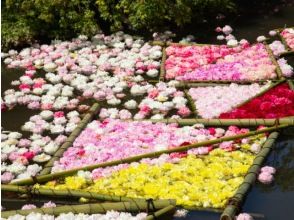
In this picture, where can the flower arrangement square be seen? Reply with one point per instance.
(243, 101)
(202, 177)
(219, 63)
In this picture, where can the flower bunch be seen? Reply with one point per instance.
(122, 142)
(119, 53)
(266, 174)
(287, 70)
(184, 59)
(204, 181)
(251, 63)
(22, 157)
(161, 100)
(60, 123)
(211, 101)
(277, 48)
(275, 103)
(288, 35)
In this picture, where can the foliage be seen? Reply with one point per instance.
(63, 19)
(47, 19)
(147, 14)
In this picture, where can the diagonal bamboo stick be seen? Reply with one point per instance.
(162, 66)
(236, 202)
(274, 61)
(251, 122)
(69, 141)
(48, 177)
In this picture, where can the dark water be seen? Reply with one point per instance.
(274, 201)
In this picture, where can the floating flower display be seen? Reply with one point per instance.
(190, 178)
(275, 103)
(114, 139)
(211, 101)
(22, 158)
(239, 63)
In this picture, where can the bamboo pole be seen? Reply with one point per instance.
(189, 44)
(196, 82)
(274, 61)
(291, 84)
(159, 43)
(48, 177)
(161, 212)
(69, 141)
(191, 103)
(235, 203)
(251, 122)
(75, 193)
(93, 208)
(279, 30)
(162, 65)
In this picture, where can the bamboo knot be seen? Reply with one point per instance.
(236, 202)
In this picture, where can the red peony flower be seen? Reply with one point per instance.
(276, 103)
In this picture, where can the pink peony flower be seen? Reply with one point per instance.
(268, 169)
(244, 216)
(6, 177)
(265, 177)
(184, 111)
(28, 206)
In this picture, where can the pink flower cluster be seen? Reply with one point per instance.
(211, 101)
(266, 174)
(184, 59)
(251, 63)
(114, 139)
(288, 35)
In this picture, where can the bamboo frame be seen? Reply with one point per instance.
(192, 102)
(94, 208)
(48, 177)
(69, 141)
(75, 193)
(270, 54)
(235, 203)
(249, 122)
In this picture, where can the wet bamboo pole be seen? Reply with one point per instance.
(291, 84)
(69, 141)
(49, 177)
(162, 65)
(191, 104)
(74, 193)
(235, 203)
(161, 212)
(94, 208)
(250, 122)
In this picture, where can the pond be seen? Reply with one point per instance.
(271, 202)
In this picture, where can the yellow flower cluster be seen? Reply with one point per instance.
(202, 181)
